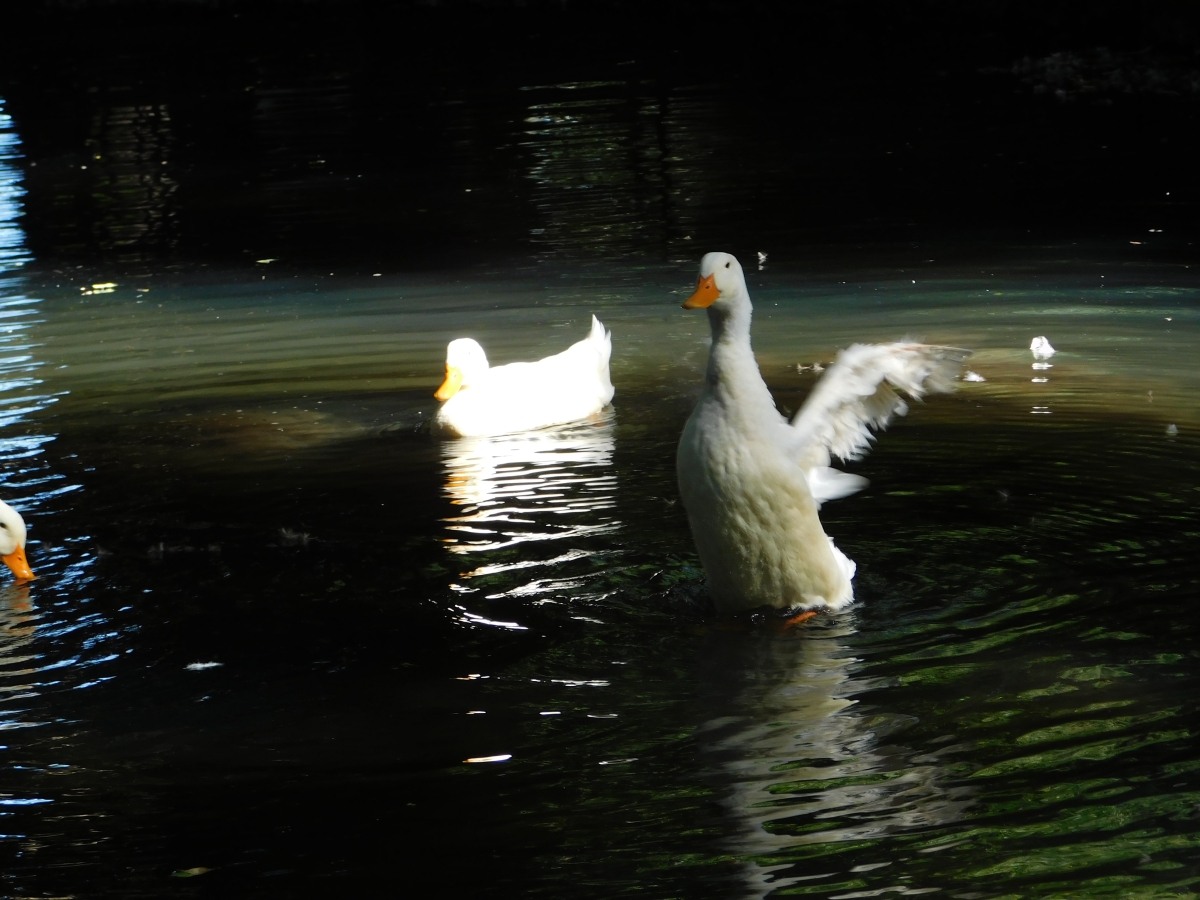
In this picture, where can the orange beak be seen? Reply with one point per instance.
(706, 294)
(450, 386)
(19, 565)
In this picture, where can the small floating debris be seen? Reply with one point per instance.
(291, 538)
(501, 757)
(1040, 411)
(190, 873)
(618, 762)
(1041, 348)
(973, 376)
(815, 367)
(1172, 430)
(1042, 380)
(104, 287)
(550, 712)
(263, 262)
(1043, 365)
(201, 666)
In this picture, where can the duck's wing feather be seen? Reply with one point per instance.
(580, 370)
(858, 393)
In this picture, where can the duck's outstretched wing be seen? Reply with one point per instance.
(858, 393)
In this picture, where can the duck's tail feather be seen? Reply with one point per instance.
(828, 483)
(601, 339)
(848, 568)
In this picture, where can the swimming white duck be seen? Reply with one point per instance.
(752, 482)
(12, 542)
(481, 400)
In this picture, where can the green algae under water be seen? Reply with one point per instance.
(274, 615)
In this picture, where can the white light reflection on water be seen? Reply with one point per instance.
(616, 167)
(18, 614)
(12, 238)
(40, 638)
(806, 766)
(548, 492)
(133, 148)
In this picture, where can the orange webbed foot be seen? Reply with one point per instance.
(791, 623)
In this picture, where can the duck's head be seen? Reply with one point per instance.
(721, 282)
(466, 363)
(12, 542)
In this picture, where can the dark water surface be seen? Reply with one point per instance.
(283, 642)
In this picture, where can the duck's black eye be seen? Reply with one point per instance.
(727, 265)
(4, 525)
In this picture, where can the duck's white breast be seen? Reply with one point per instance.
(753, 518)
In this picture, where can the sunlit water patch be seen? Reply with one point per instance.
(553, 489)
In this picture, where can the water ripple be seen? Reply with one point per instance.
(48, 637)
(520, 499)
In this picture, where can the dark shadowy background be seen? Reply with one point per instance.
(406, 135)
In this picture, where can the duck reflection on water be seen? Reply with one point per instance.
(18, 620)
(803, 763)
(535, 500)
(23, 663)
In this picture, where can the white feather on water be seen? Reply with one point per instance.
(1041, 348)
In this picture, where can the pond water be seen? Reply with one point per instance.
(274, 615)
(285, 642)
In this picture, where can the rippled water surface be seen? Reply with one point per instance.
(284, 642)
(274, 615)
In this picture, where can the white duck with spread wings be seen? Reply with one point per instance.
(481, 400)
(752, 482)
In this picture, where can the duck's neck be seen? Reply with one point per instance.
(733, 377)
(731, 352)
